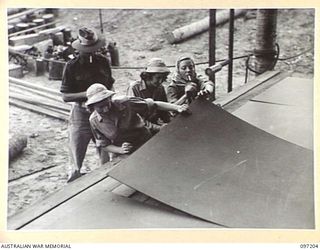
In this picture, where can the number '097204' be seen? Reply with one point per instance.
(309, 246)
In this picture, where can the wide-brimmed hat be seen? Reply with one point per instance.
(157, 65)
(88, 41)
(97, 92)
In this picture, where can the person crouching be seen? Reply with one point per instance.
(117, 121)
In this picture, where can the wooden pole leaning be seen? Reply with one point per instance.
(200, 26)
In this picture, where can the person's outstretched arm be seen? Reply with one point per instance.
(166, 106)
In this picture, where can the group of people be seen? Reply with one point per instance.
(119, 124)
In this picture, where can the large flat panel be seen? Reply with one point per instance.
(294, 124)
(96, 208)
(291, 91)
(220, 168)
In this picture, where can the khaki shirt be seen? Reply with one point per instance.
(125, 116)
(139, 89)
(176, 88)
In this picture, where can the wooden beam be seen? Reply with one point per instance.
(141, 197)
(28, 39)
(23, 13)
(26, 216)
(34, 86)
(74, 188)
(33, 29)
(124, 190)
(39, 110)
(200, 26)
(26, 90)
(36, 101)
(232, 96)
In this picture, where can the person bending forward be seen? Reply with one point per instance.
(117, 121)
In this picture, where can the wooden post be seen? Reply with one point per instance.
(101, 23)
(212, 46)
(265, 40)
(231, 32)
(23, 13)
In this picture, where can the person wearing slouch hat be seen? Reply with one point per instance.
(151, 86)
(80, 73)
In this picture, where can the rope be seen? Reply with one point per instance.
(248, 56)
(291, 57)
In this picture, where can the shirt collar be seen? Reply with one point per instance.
(99, 117)
(143, 85)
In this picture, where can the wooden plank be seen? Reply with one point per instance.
(34, 86)
(112, 183)
(153, 202)
(97, 208)
(24, 89)
(33, 29)
(36, 101)
(17, 49)
(43, 207)
(241, 99)
(39, 106)
(28, 39)
(124, 190)
(138, 196)
(54, 30)
(298, 92)
(235, 94)
(40, 110)
(12, 11)
(74, 188)
(23, 13)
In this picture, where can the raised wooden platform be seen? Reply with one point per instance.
(38, 212)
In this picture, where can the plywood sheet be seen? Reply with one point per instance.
(294, 124)
(215, 166)
(96, 208)
(291, 91)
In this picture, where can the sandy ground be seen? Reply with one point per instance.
(139, 35)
